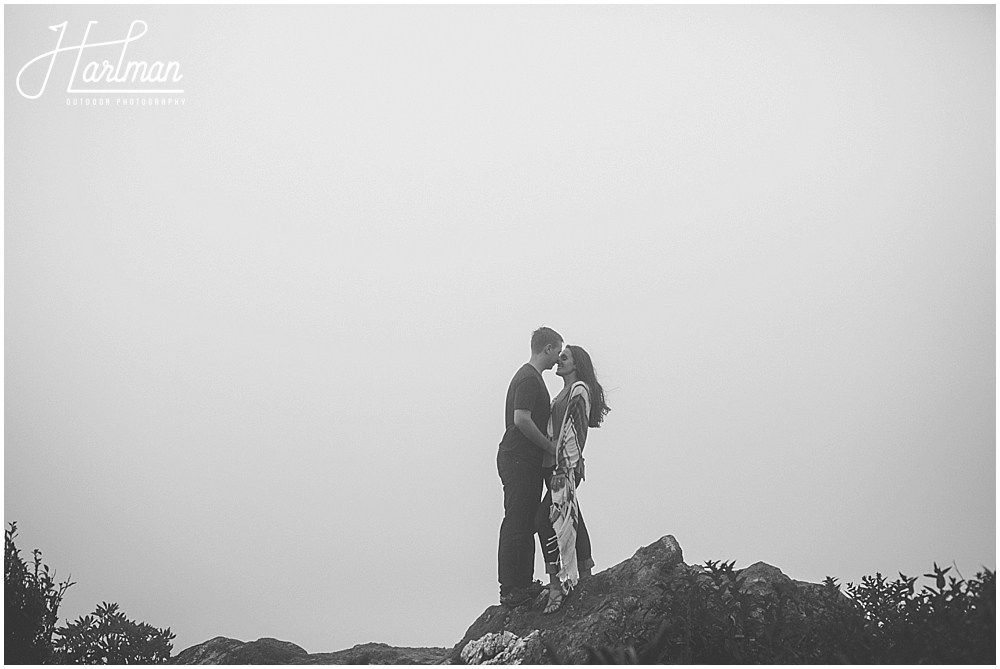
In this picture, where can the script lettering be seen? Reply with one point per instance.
(95, 73)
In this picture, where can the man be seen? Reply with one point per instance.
(519, 463)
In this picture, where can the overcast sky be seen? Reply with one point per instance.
(257, 346)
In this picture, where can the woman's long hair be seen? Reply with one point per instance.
(585, 372)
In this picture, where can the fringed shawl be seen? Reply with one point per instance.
(569, 462)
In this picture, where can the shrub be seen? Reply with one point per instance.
(706, 616)
(950, 622)
(31, 599)
(31, 609)
(108, 637)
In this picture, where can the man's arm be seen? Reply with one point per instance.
(523, 422)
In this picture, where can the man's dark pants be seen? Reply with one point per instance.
(522, 492)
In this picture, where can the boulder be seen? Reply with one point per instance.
(612, 614)
(503, 648)
(607, 609)
(221, 650)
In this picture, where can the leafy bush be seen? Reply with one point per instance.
(31, 610)
(31, 599)
(950, 622)
(108, 637)
(706, 616)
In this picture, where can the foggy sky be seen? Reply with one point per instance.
(257, 347)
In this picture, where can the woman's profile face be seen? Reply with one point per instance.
(565, 364)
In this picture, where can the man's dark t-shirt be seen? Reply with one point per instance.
(526, 391)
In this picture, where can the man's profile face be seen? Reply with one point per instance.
(552, 352)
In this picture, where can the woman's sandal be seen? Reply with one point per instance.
(556, 603)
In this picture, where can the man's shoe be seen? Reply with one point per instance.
(536, 588)
(516, 598)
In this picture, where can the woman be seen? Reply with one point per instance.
(564, 538)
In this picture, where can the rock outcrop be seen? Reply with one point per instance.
(614, 609)
(601, 611)
(221, 650)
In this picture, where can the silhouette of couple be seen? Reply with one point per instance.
(543, 445)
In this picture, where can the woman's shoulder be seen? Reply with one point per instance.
(580, 388)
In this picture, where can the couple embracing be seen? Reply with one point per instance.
(543, 447)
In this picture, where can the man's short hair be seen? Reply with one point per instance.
(543, 337)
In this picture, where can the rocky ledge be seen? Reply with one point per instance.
(611, 609)
(614, 609)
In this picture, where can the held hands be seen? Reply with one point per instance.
(549, 454)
